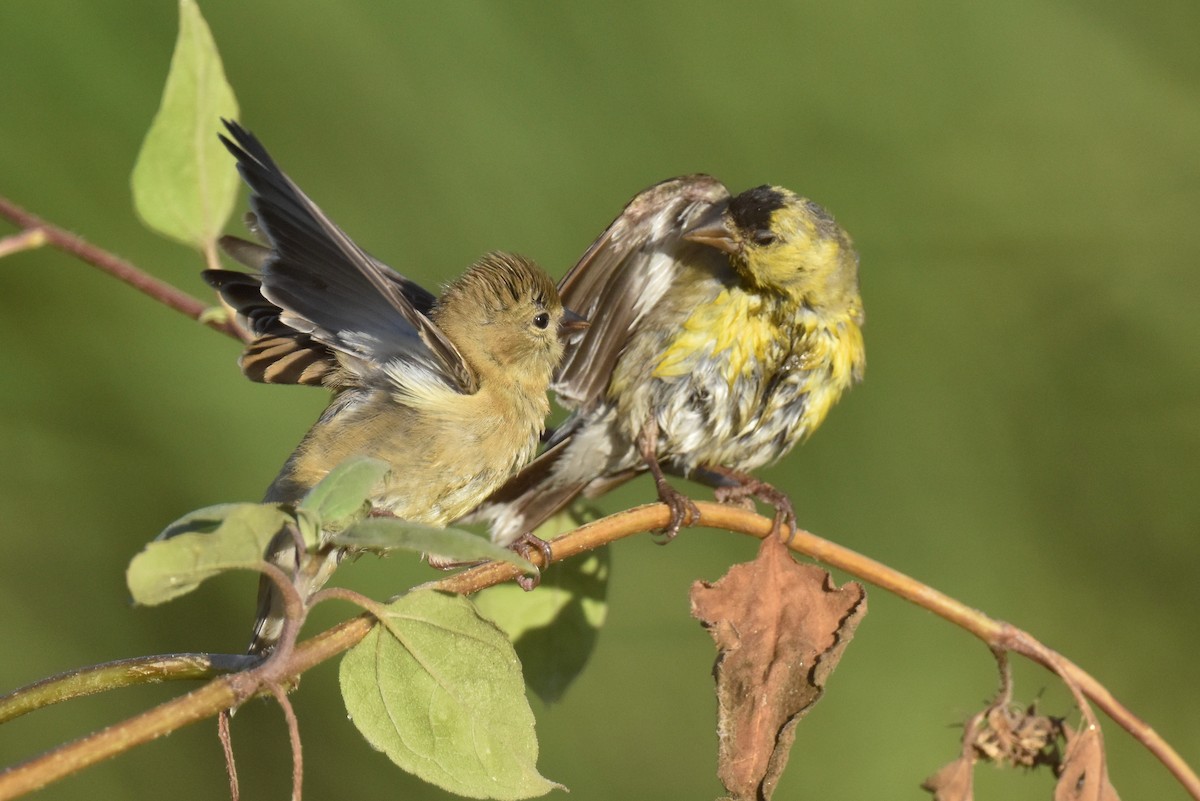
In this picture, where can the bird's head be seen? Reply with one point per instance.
(781, 242)
(505, 312)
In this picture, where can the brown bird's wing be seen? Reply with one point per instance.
(621, 277)
(278, 353)
(328, 289)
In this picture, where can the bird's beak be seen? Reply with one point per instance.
(713, 229)
(572, 327)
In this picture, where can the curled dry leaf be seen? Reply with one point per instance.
(780, 629)
(1084, 772)
(954, 782)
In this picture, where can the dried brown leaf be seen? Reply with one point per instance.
(954, 782)
(780, 629)
(1084, 774)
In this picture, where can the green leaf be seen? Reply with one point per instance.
(184, 183)
(344, 493)
(451, 544)
(168, 568)
(438, 689)
(554, 629)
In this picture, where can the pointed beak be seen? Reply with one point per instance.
(713, 229)
(572, 327)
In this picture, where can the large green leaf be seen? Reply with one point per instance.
(438, 689)
(168, 568)
(184, 183)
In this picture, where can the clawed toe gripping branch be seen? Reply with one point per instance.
(744, 488)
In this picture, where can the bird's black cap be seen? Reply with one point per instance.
(752, 209)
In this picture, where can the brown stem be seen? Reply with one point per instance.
(370, 605)
(218, 694)
(116, 267)
(122, 673)
(226, 737)
(293, 726)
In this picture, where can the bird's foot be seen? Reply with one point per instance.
(526, 544)
(747, 489)
(684, 511)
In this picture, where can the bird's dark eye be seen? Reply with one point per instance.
(764, 237)
(542, 320)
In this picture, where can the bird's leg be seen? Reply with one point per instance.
(683, 511)
(525, 545)
(735, 487)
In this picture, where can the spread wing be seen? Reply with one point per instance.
(625, 272)
(327, 290)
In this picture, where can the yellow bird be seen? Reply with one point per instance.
(723, 329)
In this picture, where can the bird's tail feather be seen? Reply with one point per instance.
(313, 571)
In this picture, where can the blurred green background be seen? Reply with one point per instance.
(1022, 181)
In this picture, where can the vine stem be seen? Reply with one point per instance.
(121, 673)
(220, 694)
(111, 264)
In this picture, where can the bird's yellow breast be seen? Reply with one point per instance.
(746, 377)
(732, 328)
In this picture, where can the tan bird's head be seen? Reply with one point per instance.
(504, 312)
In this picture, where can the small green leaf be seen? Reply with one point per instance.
(184, 183)
(555, 628)
(166, 569)
(451, 544)
(438, 689)
(344, 493)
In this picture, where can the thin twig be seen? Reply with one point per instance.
(1005, 693)
(112, 675)
(219, 694)
(226, 738)
(369, 605)
(293, 727)
(117, 267)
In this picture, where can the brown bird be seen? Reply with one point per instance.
(451, 392)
